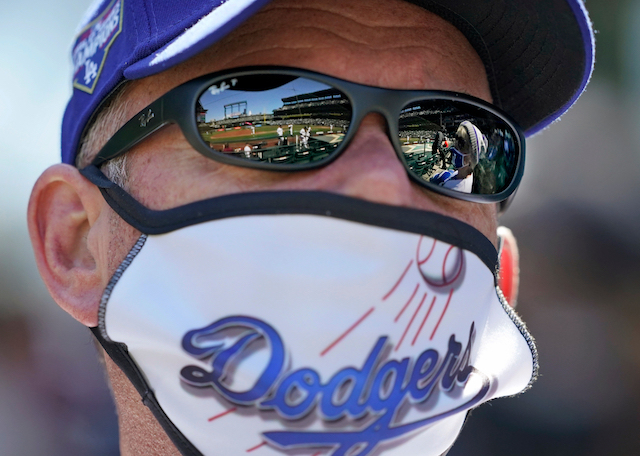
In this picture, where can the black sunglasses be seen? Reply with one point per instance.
(286, 119)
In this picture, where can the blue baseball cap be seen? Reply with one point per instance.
(539, 54)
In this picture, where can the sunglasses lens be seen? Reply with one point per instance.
(458, 146)
(281, 120)
(274, 119)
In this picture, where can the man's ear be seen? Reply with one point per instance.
(509, 272)
(64, 208)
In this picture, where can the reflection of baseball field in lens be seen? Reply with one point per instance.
(266, 137)
(264, 132)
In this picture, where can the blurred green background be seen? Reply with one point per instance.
(576, 216)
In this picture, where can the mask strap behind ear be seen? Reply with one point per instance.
(509, 265)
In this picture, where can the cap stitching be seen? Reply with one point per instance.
(543, 43)
(514, 43)
(505, 33)
(545, 65)
(500, 19)
(533, 95)
(135, 28)
(152, 13)
(485, 18)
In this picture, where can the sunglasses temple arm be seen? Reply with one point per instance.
(138, 128)
(504, 204)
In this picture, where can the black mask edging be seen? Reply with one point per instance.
(149, 221)
(120, 355)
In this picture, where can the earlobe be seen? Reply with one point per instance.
(509, 273)
(64, 208)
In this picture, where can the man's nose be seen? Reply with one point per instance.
(369, 168)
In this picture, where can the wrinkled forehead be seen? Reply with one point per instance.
(430, 54)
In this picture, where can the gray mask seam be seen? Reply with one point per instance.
(522, 327)
(102, 310)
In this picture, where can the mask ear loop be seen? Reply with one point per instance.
(120, 355)
(508, 265)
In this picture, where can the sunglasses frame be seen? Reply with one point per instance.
(178, 107)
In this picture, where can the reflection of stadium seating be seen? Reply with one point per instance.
(317, 150)
(422, 164)
(337, 124)
(416, 117)
(239, 121)
(426, 134)
(323, 107)
(312, 104)
(277, 153)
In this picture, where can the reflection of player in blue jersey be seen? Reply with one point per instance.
(469, 145)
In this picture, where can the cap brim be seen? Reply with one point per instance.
(538, 54)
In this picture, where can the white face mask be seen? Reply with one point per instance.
(367, 332)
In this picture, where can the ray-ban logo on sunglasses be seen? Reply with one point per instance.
(145, 118)
(224, 85)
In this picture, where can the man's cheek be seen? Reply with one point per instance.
(121, 239)
(483, 217)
